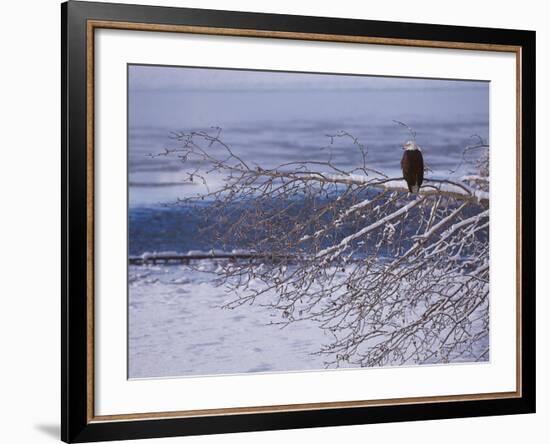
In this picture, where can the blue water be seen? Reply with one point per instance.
(186, 227)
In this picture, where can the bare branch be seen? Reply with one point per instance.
(393, 278)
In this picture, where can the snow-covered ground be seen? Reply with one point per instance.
(177, 327)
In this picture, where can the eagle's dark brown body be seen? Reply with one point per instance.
(412, 165)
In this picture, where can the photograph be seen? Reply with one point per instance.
(303, 221)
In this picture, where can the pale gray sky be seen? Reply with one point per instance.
(150, 77)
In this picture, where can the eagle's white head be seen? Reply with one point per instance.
(411, 146)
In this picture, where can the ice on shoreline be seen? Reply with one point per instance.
(177, 327)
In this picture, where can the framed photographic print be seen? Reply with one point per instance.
(276, 221)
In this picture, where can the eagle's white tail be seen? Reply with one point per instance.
(415, 188)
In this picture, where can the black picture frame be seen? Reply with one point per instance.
(76, 423)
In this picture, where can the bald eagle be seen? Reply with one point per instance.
(412, 165)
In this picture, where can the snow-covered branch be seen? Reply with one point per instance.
(393, 278)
